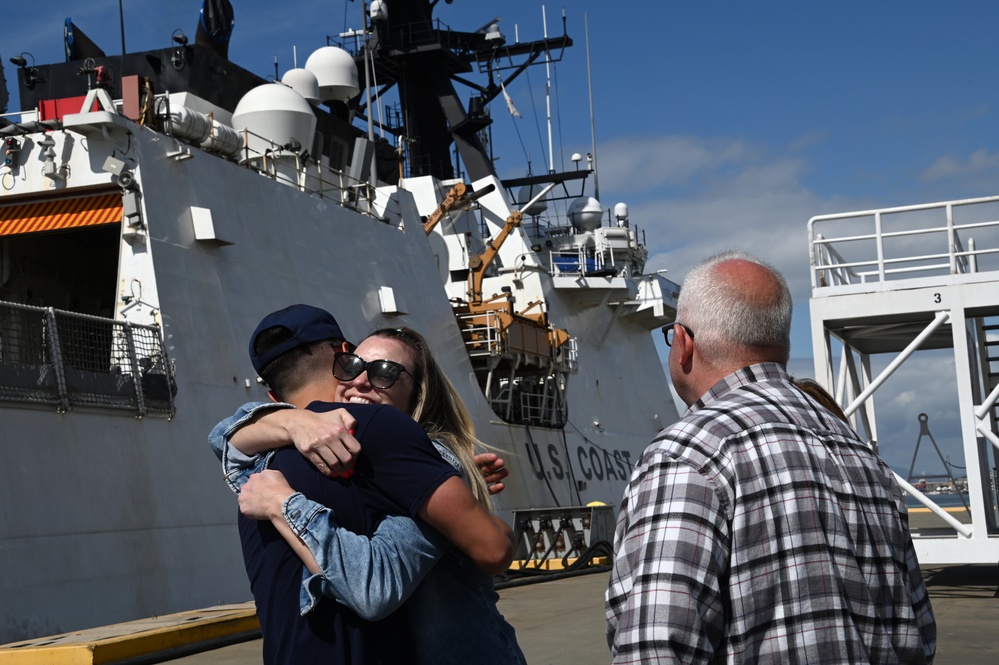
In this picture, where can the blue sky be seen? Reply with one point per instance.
(721, 124)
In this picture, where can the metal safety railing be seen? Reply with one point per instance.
(874, 246)
(66, 359)
(575, 262)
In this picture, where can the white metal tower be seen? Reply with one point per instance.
(900, 282)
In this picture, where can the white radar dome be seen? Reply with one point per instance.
(585, 214)
(621, 212)
(528, 192)
(336, 72)
(303, 82)
(276, 113)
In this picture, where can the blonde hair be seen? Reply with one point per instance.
(439, 409)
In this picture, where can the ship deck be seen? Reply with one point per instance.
(559, 621)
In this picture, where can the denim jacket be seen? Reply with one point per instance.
(394, 561)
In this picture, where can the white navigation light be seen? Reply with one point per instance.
(276, 116)
(336, 72)
(585, 214)
(303, 82)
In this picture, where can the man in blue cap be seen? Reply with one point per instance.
(292, 350)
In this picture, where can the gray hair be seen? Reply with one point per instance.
(727, 318)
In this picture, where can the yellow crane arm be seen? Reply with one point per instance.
(479, 263)
(456, 196)
(453, 198)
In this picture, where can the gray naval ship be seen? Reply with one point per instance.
(154, 206)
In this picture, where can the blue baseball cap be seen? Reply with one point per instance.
(306, 323)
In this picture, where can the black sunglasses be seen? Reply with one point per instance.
(668, 332)
(381, 373)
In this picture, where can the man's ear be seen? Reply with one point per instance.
(685, 345)
(273, 396)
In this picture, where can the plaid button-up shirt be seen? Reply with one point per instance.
(760, 529)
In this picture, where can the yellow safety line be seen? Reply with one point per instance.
(554, 564)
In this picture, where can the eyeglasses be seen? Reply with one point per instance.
(668, 332)
(381, 373)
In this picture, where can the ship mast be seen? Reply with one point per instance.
(425, 60)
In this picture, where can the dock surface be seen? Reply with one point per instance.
(558, 621)
(562, 622)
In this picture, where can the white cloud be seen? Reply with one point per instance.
(715, 195)
(732, 194)
(633, 164)
(950, 166)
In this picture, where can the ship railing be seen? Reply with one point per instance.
(531, 398)
(482, 333)
(930, 240)
(67, 360)
(404, 35)
(577, 262)
(568, 356)
(532, 406)
(295, 165)
(545, 409)
(615, 252)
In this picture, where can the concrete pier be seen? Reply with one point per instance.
(559, 621)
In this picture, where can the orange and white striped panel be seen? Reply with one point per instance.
(54, 215)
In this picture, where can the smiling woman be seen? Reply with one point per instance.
(395, 366)
(376, 373)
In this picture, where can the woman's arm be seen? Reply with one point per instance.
(236, 466)
(325, 439)
(454, 512)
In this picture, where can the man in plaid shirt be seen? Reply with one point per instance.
(759, 528)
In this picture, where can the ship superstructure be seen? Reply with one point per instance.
(150, 218)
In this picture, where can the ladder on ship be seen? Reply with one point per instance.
(990, 343)
(918, 281)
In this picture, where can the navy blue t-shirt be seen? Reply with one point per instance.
(396, 473)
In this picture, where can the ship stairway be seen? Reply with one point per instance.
(990, 343)
(904, 314)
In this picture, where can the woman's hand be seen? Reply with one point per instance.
(326, 439)
(493, 469)
(264, 494)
